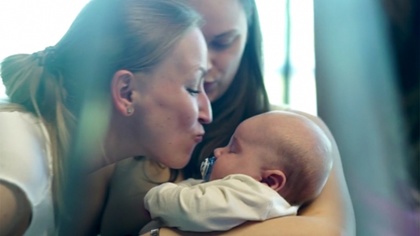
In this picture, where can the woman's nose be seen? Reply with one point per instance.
(205, 115)
(210, 67)
(210, 59)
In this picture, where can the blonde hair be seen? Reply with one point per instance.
(106, 36)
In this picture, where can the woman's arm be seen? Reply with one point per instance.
(88, 209)
(15, 210)
(290, 225)
(124, 213)
(328, 215)
(334, 203)
(24, 174)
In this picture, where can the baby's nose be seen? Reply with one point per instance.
(217, 152)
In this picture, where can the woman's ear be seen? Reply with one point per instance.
(122, 90)
(275, 179)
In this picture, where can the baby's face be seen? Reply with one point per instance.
(242, 155)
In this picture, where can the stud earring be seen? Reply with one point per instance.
(130, 110)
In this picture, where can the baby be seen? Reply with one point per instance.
(274, 163)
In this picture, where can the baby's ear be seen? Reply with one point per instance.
(275, 179)
(121, 89)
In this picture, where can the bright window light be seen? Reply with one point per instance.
(28, 26)
(301, 89)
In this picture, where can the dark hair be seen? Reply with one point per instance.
(245, 97)
(106, 36)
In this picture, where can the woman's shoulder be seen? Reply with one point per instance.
(313, 117)
(279, 107)
(125, 204)
(14, 114)
(25, 163)
(21, 128)
(285, 107)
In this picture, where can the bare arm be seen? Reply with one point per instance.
(88, 210)
(124, 213)
(23, 171)
(319, 218)
(98, 184)
(334, 204)
(15, 210)
(291, 225)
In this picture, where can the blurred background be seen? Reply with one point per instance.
(367, 83)
(29, 26)
(364, 55)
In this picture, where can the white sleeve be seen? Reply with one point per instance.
(24, 154)
(217, 205)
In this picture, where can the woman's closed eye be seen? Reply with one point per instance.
(222, 43)
(196, 86)
(193, 92)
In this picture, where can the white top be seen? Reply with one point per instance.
(218, 205)
(25, 161)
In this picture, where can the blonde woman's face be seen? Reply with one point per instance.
(171, 104)
(225, 31)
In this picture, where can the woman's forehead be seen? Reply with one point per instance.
(220, 15)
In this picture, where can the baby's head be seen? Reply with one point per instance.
(284, 150)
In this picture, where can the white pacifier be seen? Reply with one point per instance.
(206, 168)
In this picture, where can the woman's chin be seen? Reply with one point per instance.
(176, 163)
(213, 96)
(212, 92)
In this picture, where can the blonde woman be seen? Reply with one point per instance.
(125, 80)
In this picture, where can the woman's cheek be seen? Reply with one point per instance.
(189, 118)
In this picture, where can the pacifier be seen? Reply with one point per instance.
(206, 168)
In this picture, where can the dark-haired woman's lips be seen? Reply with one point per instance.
(199, 138)
(210, 86)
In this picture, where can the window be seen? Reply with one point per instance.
(288, 44)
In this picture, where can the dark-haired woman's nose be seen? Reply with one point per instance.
(205, 115)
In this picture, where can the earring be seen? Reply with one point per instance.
(130, 110)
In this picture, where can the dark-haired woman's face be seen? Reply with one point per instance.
(225, 31)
